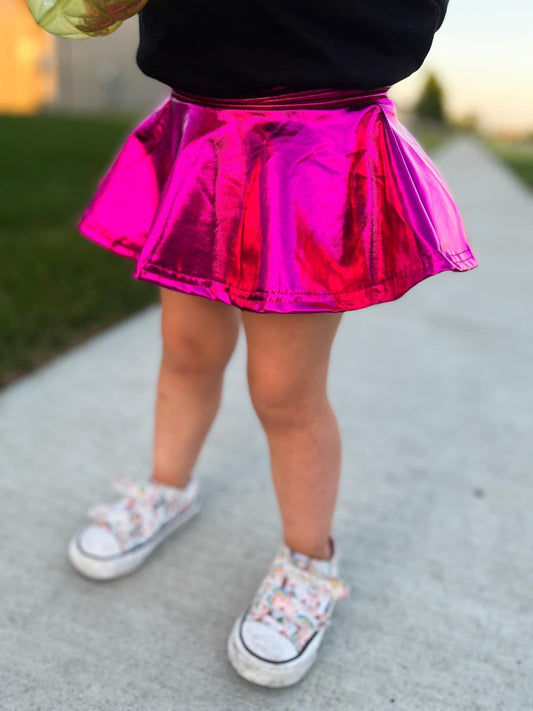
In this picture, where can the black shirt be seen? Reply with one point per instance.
(247, 48)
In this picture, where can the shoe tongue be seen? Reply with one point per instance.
(313, 565)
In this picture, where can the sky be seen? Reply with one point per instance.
(483, 57)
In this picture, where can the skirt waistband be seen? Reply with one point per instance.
(311, 99)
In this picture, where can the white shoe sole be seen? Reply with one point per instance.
(265, 673)
(124, 563)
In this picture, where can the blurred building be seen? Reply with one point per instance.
(28, 74)
(42, 72)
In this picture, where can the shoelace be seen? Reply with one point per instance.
(295, 602)
(135, 517)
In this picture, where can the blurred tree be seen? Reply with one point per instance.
(430, 104)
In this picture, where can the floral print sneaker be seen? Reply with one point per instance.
(122, 535)
(275, 642)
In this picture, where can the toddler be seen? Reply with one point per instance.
(275, 189)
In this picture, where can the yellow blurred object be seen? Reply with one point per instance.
(28, 61)
(80, 19)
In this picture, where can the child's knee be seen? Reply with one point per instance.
(281, 397)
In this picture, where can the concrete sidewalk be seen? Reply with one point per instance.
(433, 394)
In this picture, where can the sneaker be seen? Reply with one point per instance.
(124, 534)
(275, 642)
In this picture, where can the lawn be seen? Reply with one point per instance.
(57, 288)
(517, 155)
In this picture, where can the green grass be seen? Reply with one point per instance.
(57, 288)
(518, 156)
(432, 138)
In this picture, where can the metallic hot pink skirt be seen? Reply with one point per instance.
(296, 202)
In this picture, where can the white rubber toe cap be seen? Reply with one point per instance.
(265, 642)
(98, 541)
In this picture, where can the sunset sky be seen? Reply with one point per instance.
(483, 56)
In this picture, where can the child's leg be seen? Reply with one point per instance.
(199, 336)
(288, 359)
